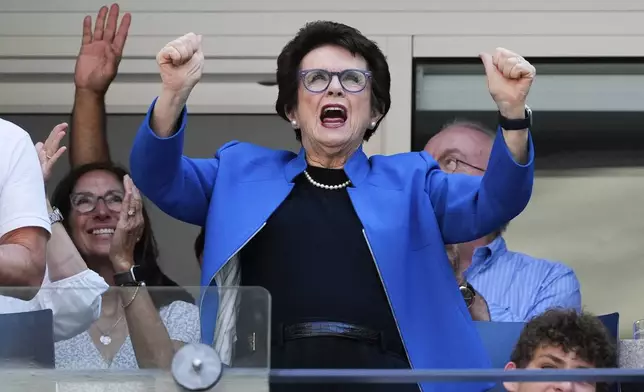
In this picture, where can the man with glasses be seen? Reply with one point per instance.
(515, 286)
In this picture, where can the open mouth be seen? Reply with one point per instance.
(333, 115)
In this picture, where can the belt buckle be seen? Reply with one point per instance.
(252, 342)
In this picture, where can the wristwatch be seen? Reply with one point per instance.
(516, 124)
(133, 277)
(55, 216)
(468, 293)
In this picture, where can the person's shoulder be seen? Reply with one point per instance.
(547, 266)
(179, 317)
(11, 134)
(403, 160)
(246, 149)
(249, 154)
(179, 308)
(398, 168)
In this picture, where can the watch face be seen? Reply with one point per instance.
(468, 295)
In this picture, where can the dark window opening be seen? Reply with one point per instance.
(564, 139)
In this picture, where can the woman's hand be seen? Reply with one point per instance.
(50, 151)
(129, 228)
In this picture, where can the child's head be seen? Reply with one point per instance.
(562, 339)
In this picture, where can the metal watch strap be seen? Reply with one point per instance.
(129, 278)
(55, 216)
(516, 124)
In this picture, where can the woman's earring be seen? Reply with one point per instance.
(294, 124)
(373, 124)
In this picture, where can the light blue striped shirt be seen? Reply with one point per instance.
(518, 287)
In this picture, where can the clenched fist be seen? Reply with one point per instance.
(181, 63)
(509, 77)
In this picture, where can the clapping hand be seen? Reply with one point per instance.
(129, 228)
(509, 77)
(101, 51)
(50, 151)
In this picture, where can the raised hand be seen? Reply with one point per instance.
(50, 151)
(181, 63)
(129, 228)
(509, 77)
(101, 52)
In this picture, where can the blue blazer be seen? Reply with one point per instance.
(408, 207)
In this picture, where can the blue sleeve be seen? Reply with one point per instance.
(559, 290)
(470, 207)
(180, 186)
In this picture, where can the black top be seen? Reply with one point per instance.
(313, 258)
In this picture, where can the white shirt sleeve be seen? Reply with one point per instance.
(75, 302)
(22, 188)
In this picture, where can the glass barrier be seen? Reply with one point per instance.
(134, 339)
(157, 339)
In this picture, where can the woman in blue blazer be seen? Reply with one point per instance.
(350, 247)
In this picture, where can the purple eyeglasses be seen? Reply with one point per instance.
(351, 80)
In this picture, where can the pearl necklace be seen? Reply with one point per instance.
(323, 186)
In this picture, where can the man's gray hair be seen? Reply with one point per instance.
(473, 125)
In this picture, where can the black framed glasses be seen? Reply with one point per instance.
(452, 165)
(351, 80)
(85, 202)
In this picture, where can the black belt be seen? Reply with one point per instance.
(338, 330)
(250, 343)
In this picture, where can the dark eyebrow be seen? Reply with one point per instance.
(560, 361)
(553, 358)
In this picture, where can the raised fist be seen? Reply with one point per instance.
(509, 77)
(181, 63)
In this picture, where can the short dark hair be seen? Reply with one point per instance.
(316, 34)
(581, 333)
(199, 243)
(473, 125)
(146, 251)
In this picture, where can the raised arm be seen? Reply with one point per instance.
(70, 289)
(179, 186)
(63, 259)
(152, 344)
(469, 207)
(96, 67)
